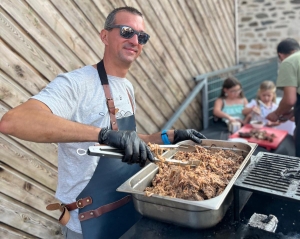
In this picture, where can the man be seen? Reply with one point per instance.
(76, 110)
(289, 80)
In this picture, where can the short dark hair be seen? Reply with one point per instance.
(110, 20)
(229, 83)
(287, 46)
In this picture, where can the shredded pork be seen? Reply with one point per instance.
(214, 170)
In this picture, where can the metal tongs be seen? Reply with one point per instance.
(290, 173)
(107, 151)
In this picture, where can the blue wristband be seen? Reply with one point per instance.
(164, 137)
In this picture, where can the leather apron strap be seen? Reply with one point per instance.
(109, 100)
(112, 213)
(101, 207)
(126, 121)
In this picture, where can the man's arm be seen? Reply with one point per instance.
(34, 121)
(288, 101)
(174, 136)
(156, 138)
(217, 111)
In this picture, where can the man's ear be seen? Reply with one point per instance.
(104, 36)
(280, 56)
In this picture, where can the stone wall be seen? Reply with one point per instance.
(262, 24)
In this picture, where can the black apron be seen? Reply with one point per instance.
(297, 121)
(108, 176)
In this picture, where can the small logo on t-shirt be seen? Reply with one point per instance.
(123, 114)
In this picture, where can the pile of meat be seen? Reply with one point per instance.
(258, 134)
(208, 179)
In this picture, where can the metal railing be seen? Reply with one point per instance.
(210, 84)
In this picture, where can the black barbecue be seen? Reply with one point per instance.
(273, 174)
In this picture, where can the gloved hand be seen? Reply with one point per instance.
(186, 134)
(135, 149)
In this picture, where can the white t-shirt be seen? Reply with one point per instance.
(79, 96)
(289, 126)
(264, 111)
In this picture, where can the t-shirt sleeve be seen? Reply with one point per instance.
(60, 96)
(286, 75)
(251, 104)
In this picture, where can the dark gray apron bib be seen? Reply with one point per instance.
(297, 121)
(108, 176)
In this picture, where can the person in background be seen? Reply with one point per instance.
(264, 103)
(288, 79)
(231, 102)
(94, 104)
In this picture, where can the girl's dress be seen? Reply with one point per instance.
(234, 110)
(289, 126)
(264, 111)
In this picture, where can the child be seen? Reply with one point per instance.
(264, 103)
(230, 104)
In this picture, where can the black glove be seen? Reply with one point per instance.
(136, 150)
(186, 134)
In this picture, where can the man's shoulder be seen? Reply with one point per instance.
(291, 63)
(78, 76)
(288, 74)
(293, 59)
(85, 70)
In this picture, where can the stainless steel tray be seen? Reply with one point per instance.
(193, 214)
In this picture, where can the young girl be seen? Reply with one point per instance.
(230, 104)
(264, 104)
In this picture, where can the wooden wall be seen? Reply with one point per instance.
(40, 39)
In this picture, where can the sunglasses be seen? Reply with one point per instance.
(128, 32)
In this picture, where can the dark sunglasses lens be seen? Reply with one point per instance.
(126, 32)
(143, 38)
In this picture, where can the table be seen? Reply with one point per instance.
(248, 204)
(219, 131)
(228, 228)
(279, 136)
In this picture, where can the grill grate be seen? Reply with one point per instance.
(273, 174)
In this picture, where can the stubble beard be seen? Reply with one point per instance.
(126, 60)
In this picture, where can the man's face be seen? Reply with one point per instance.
(125, 50)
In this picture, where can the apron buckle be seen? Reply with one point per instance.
(79, 203)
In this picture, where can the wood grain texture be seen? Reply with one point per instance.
(21, 72)
(10, 92)
(13, 233)
(65, 31)
(19, 158)
(13, 34)
(37, 28)
(28, 220)
(26, 190)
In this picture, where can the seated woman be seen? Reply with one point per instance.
(230, 104)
